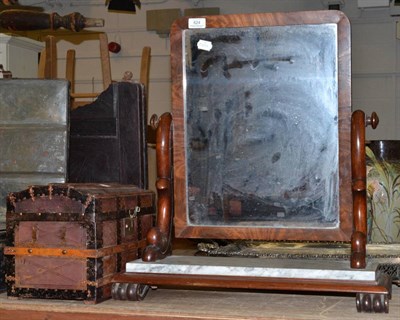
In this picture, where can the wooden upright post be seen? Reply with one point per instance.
(70, 69)
(145, 71)
(105, 60)
(50, 68)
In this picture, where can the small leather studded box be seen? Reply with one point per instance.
(67, 241)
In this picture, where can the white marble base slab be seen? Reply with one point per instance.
(253, 267)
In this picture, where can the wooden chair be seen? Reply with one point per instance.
(48, 68)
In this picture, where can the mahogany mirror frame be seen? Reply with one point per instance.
(343, 231)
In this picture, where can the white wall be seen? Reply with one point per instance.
(375, 50)
(375, 72)
(130, 31)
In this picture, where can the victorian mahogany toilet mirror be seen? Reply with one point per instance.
(261, 144)
(262, 132)
(265, 145)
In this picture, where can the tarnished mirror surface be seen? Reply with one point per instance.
(261, 135)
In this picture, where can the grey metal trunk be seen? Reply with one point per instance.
(33, 134)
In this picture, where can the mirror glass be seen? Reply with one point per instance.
(261, 126)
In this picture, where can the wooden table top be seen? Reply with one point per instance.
(164, 303)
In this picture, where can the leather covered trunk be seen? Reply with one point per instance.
(67, 241)
(108, 137)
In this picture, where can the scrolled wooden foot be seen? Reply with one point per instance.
(137, 292)
(368, 302)
(129, 291)
(358, 302)
(114, 290)
(386, 303)
(377, 303)
(121, 291)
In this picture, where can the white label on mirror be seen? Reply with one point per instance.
(204, 45)
(197, 23)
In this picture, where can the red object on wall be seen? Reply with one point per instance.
(114, 47)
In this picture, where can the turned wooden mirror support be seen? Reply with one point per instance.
(359, 183)
(159, 238)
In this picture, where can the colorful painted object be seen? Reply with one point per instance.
(383, 191)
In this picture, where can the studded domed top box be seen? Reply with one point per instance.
(67, 241)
